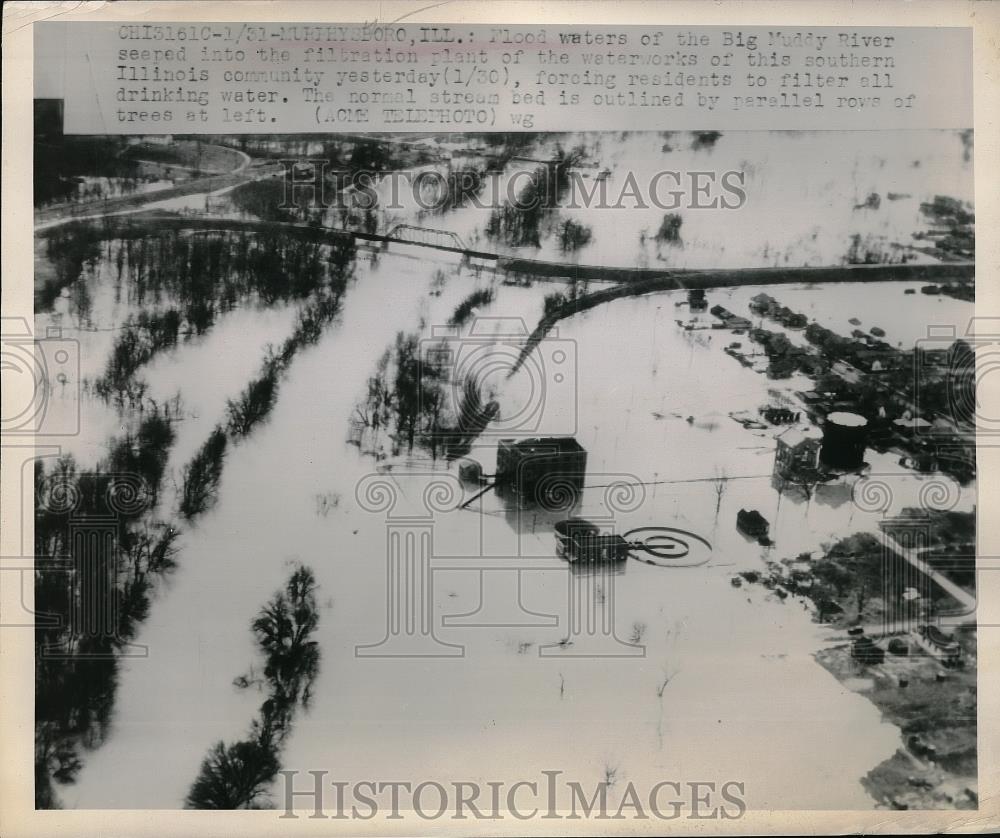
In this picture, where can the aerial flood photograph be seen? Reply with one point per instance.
(611, 460)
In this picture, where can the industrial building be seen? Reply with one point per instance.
(541, 471)
(577, 539)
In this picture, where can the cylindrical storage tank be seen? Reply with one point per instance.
(845, 437)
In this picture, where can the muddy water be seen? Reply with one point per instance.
(236, 556)
(91, 314)
(745, 700)
(806, 195)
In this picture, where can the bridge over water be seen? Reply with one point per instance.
(426, 236)
(626, 280)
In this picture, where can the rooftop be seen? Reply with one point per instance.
(848, 420)
(796, 436)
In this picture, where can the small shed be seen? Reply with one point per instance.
(752, 523)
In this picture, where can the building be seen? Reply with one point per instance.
(151, 139)
(541, 471)
(796, 453)
(763, 304)
(730, 320)
(912, 425)
(577, 539)
(780, 415)
(696, 299)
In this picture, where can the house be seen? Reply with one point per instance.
(910, 425)
(796, 453)
(730, 320)
(792, 319)
(763, 304)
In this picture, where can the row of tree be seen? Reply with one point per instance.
(93, 592)
(98, 550)
(417, 400)
(237, 776)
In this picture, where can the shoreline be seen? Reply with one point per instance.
(933, 705)
(912, 778)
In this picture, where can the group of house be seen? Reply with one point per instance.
(926, 639)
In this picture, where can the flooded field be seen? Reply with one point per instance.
(699, 679)
(501, 698)
(808, 196)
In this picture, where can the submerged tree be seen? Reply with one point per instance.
(670, 229)
(719, 484)
(202, 475)
(282, 629)
(573, 236)
(237, 776)
(234, 776)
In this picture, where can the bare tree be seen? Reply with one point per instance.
(719, 483)
(610, 774)
(668, 676)
(781, 484)
(809, 488)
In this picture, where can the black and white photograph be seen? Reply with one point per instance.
(462, 476)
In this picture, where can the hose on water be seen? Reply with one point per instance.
(666, 546)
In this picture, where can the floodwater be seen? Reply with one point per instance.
(744, 699)
(806, 196)
(92, 313)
